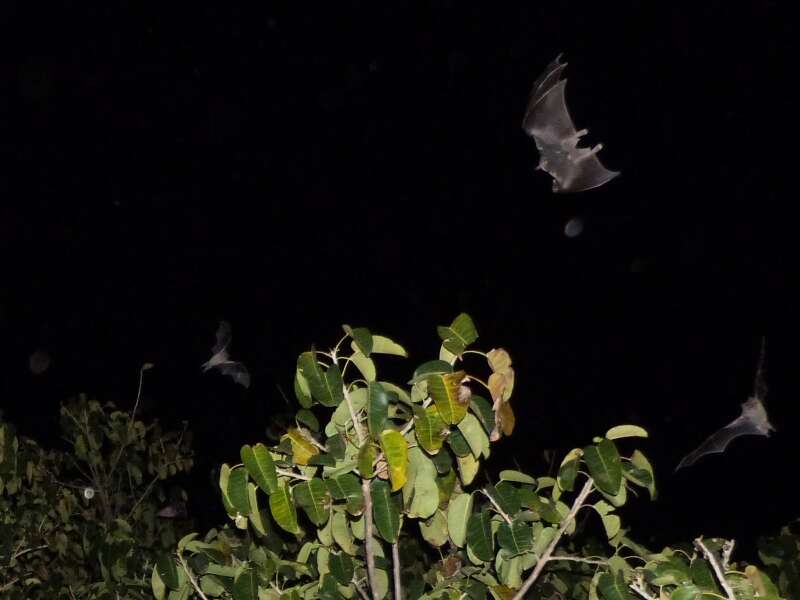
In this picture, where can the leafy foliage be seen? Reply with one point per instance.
(84, 523)
(377, 478)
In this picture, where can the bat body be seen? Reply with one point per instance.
(548, 122)
(221, 361)
(752, 421)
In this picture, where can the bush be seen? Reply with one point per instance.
(84, 523)
(373, 471)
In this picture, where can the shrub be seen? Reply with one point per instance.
(83, 523)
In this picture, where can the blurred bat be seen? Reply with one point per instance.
(175, 510)
(752, 421)
(548, 122)
(220, 360)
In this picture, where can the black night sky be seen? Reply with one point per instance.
(291, 167)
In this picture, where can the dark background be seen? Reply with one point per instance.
(291, 167)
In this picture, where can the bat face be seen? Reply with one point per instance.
(548, 122)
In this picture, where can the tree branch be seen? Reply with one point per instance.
(499, 510)
(710, 557)
(540, 564)
(398, 586)
(192, 580)
(369, 541)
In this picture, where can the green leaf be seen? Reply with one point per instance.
(301, 389)
(479, 535)
(245, 586)
(259, 464)
(383, 345)
(613, 587)
(458, 444)
(569, 470)
(395, 449)
(385, 510)
(282, 508)
(307, 418)
(687, 591)
(429, 428)
(377, 408)
(517, 477)
(542, 538)
(506, 495)
(156, 583)
(342, 567)
(361, 337)
(255, 513)
(474, 434)
(365, 365)
(434, 530)
(348, 488)
(460, 334)
(515, 538)
(640, 461)
(604, 466)
(624, 431)
(431, 367)
(458, 512)
(425, 497)
(314, 498)
(366, 457)
(483, 410)
(342, 534)
(448, 397)
(326, 388)
(336, 446)
(467, 468)
(167, 571)
(237, 491)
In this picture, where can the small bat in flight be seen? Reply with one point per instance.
(222, 362)
(752, 421)
(548, 122)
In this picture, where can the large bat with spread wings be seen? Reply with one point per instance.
(221, 361)
(752, 421)
(547, 121)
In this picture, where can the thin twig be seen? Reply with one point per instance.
(638, 587)
(367, 492)
(23, 552)
(499, 510)
(727, 550)
(287, 473)
(368, 539)
(588, 561)
(360, 590)
(718, 571)
(192, 580)
(540, 564)
(398, 586)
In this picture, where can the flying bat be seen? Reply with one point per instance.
(547, 121)
(222, 362)
(752, 421)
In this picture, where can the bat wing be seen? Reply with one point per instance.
(752, 421)
(237, 371)
(223, 337)
(548, 122)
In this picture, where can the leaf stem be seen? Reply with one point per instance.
(540, 564)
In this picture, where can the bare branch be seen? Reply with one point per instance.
(718, 571)
(540, 564)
